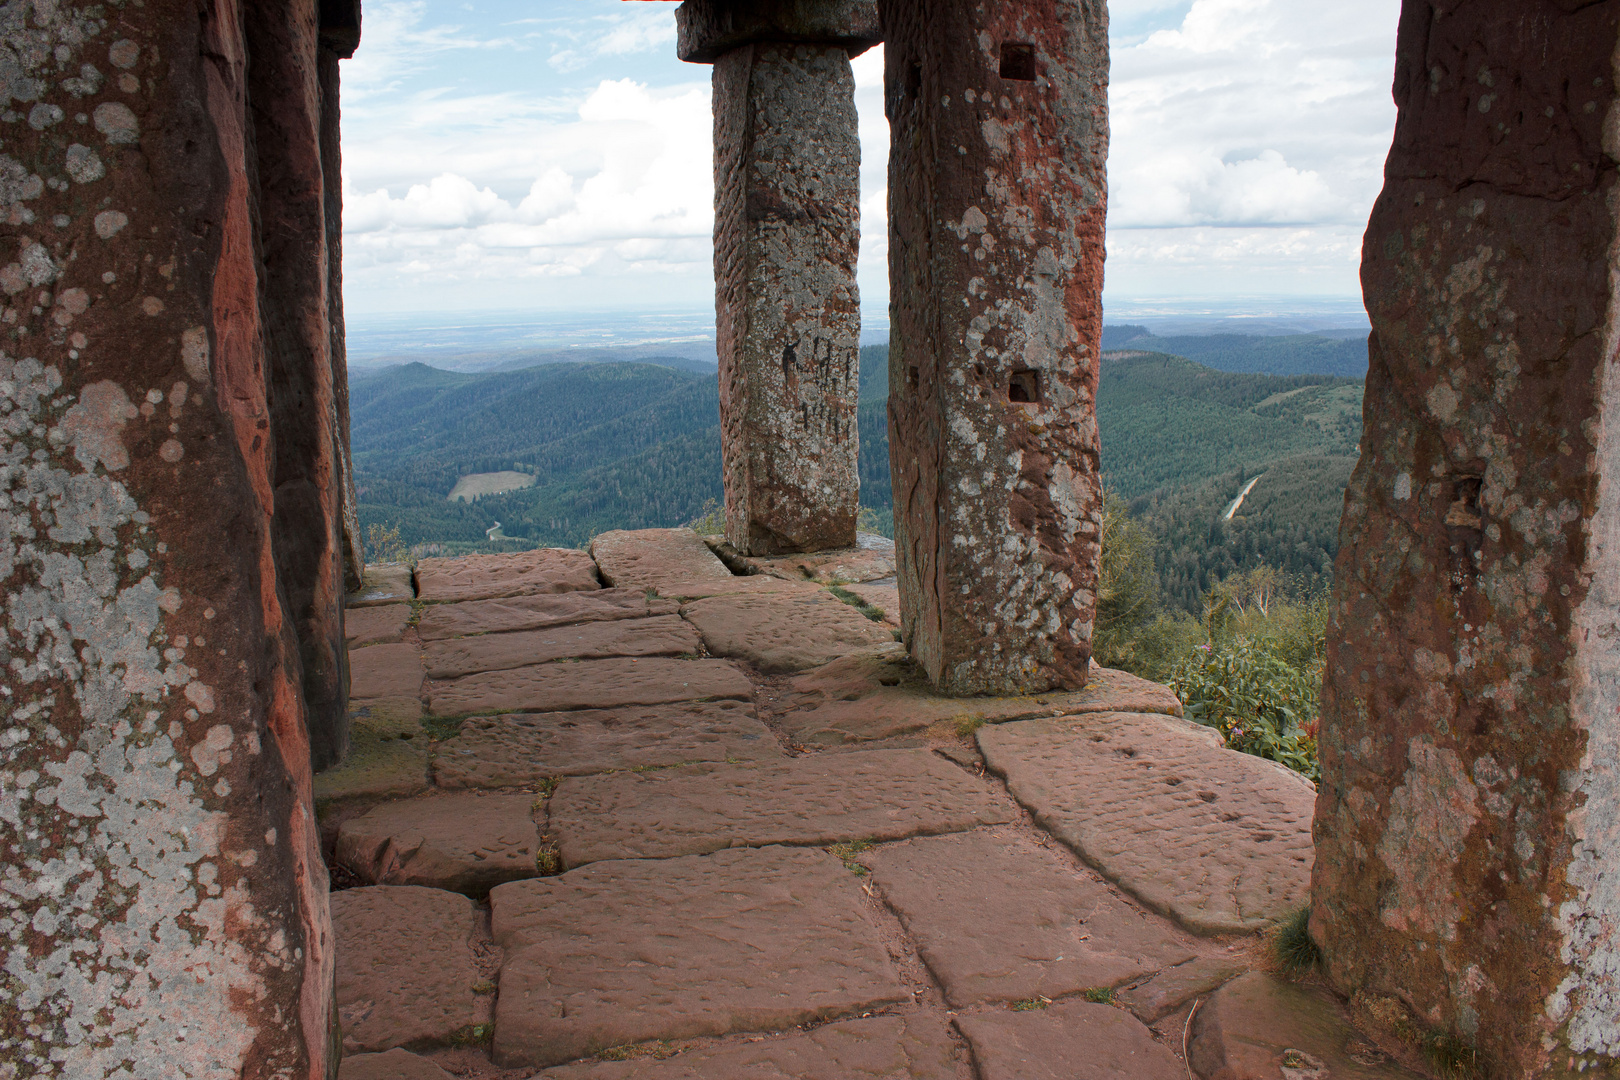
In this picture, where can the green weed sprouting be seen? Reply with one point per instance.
(1100, 995)
(1260, 703)
(1030, 1004)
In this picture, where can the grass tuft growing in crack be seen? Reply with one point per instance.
(870, 611)
(1291, 944)
(847, 852)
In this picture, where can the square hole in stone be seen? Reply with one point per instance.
(913, 377)
(1024, 388)
(1018, 61)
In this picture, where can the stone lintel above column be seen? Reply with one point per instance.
(340, 26)
(709, 29)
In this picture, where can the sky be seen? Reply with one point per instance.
(554, 155)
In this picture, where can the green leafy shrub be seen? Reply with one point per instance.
(1259, 702)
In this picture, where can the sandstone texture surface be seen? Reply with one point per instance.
(527, 573)
(616, 953)
(663, 635)
(871, 560)
(880, 694)
(1257, 1027)
(819, 800)
(757, 584)
(525, 749)
(381, 625)
(1067, 1040)
(649, 558)
(405, 967)
(1173, 987)
(787, 160)
(783, 633)
(538, 612)
(886, 598)
(1218, 840)
(390, 673)
(881, 1048)
(383, 583)
(391, 1065)
(707, 29)
(1058, 930)
(589, 684)
(461, 843)
(997, 198)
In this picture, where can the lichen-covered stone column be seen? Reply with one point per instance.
(1467, 877)
(164, 903)
(997, 195)
(786, 236)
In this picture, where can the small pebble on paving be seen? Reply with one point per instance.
(589, 684)
(405, 968)
(466, 843)
(816, 800)
(1218, 840)
(524, 749)
(1058, 930)
(1067, 1040)
(622, 952)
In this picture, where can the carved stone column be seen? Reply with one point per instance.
(997, 195)
(165, 907)
(1468, 827)
(786, 236)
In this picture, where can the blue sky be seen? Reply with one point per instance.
(553, 155)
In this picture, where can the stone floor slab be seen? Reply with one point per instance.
(522, 573)
(871, 560)
(508, 614)
(781, 633)
(623, 952)
(663, 635)
(880, 694)
(405, 967)
(879, 1048)
(815, 800)
(525, 749)
(392, 1065)
(1172, 988)
(1065, 1041)
(1258, 1028)
(381, 625)
(589, 684)
(387, 758)
(886, 598)
(465, 843)
(757, 585)
(383, 583)
(1218, 840)
(999, 918)
(386, 673)
(651, 557)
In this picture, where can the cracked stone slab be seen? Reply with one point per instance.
(1067, 1040)
(393, 1065)
(1216, 839)
(391, 673)
(624, 952)
(382, 583)
(405, 966)
(815, 800)
(880, 694)
(755, 585)
(879, 1048)
(837, 567)
(1056, 930)
(1257, 1028)
(648, 558)
(524, 749)
(1170, 989)
(381, 625)
(589, 684)
(507, 614)
(388, 757)
(524, 573)
(663, 635)
(463, 843)
(780, 633)
(886, 598)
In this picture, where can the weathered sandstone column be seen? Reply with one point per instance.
(1468, 825)
(786, 235)
(997, 195)
(164, 907)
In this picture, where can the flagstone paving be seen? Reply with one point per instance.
(693, 824)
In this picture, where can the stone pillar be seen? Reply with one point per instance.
(1467, 873)
(164, 912)
(786, 236)
(284, 95)
(997, 194)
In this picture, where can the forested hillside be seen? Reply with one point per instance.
(1289, 354)
(638, 445)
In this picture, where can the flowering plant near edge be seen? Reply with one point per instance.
(1260, 704)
